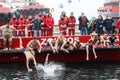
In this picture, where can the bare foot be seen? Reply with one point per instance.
(95, 57)
(87, 59)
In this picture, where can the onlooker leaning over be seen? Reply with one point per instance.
(37, 26)
(14, 23)
(50, 24)
(7, 35)
(71, 24)
(99, 25)
(62, 25)
(83, 24)
(21, 26)
(118, 26)
(108, 24)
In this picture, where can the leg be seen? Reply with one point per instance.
(62, 47)
(4, 42)
(34, 61)
(94, 52)
(87, 51)
(10, 42)
(35, 33)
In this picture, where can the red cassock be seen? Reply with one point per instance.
(118, 24)
(14, 22)
(62, 26)
(43, 27)
(50, 25)
(29, 27)
(21, 27)
(71, 26)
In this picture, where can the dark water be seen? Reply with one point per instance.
(62, 71)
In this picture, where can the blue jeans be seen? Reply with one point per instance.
(37, 33)
(112, 44)
(109, 31)
(84, 30)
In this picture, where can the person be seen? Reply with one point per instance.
(62, 25)
(83, 24)
(105, 41)
(78, 45)
(32, 46)
(51, 43)
(99, 25)
(90, 45)
(21, 26)
(37, 22)
(14, 23)
(118, 26)
(7, 35)
(60, 43)
(50, 24)
(71, 24)
(108, 24)
(112, 40)
(29, 27)
(44, 25)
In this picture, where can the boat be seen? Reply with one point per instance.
(76, 55)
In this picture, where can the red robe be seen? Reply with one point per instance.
(62, 26)
(50, 25)
(14, 22)
(71, 25)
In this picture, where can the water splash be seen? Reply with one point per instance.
(51, 69)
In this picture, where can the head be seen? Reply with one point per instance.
(36, 17)
(62, 17)
(71, 14)
(100, 17)
(108, 16)
(14, 16)
(30, 17)
(21, 16)
(7, 25)
(49, 15)
(82, 14)
(64, 13)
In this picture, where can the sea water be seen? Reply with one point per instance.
(61, 71)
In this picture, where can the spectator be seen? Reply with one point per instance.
(71, 25)
(44, 25)
(108, 24)
(21, 26)
(50, 24)
(14, 23)
(37, 26)
(118, 26)
(99, 25)
(62, 25)
(83, 24)
(29, 23)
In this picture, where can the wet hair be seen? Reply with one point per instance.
(68, 42)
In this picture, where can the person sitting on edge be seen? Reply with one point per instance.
(60, 43)
(68, 46)
(112, 40)
(90, 45)
(77, 45)
(7, 35)
(105, 41)
(32, 46)
(51, 43)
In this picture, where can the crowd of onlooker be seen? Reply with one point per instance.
(43, 25)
